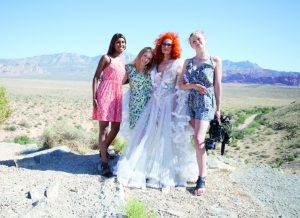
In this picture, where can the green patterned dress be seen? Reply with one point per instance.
(140, 93)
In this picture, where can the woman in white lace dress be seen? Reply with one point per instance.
(159, 152)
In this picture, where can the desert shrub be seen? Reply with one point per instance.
(285, 118)
(23, 140)
(254, 124)
(234, 143)
(93, 138)
(5, 109)
(136, 209)
(260, 119)
(24, 124)
(63, 132)
(119, 144)
(238, 134)
(240, 118)
(248, 131)
(10, 128)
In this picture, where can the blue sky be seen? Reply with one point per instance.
(265, 32)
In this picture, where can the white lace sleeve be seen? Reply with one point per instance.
(181, 98)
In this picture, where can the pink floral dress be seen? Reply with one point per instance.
(109, 93)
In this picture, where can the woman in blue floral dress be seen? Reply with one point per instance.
(201, 75)
(140, 83)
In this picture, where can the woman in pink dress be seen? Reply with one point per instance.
(107, 96)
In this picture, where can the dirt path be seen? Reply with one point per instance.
(247, 122)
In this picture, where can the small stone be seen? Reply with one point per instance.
(165, 190)
(52, 191)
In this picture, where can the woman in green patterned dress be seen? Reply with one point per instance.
(139, 83)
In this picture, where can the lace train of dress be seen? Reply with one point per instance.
(160, 152)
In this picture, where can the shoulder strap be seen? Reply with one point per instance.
(212, 62)
(108, 62)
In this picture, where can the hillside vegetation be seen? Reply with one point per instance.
(55, 112)
(272, 137)
(5, 109)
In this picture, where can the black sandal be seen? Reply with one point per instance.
(109, 156)
(199, 184)
(106, 172)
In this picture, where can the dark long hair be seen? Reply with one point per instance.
(111, 49)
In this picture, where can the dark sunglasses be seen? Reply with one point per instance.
(167, 44)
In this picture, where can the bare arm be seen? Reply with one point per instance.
(188, 86)
(218, 85)
(126, 77)
(103, 63)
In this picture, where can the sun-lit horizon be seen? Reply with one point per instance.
(262, 32)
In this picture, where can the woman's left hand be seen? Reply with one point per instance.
(218, 114)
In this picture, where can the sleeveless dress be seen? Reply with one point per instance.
(201, 107)
(109, 93)
(160, 153)
(140, 93)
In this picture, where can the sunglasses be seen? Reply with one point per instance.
(167, 44)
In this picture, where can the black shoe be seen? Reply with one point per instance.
(199, 184)
(106, 172)
(110, 156)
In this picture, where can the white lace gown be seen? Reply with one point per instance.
(160, 152)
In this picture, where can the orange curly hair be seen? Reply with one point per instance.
(176, 49)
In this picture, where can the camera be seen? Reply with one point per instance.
(219, 132)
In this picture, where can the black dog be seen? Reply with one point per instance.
(219, 132)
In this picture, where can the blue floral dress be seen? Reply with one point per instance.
(201, 107)
(140, 92)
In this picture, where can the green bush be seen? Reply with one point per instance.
(238, 134)
(5, 109)
(136, 209)
(74, 136)
(248, 131)
(23, 140)
(119, 144)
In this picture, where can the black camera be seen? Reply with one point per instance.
(219, 132)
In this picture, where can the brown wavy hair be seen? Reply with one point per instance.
(176, 49)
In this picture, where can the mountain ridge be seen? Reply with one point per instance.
(82, 67)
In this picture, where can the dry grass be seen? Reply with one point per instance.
(37, 104)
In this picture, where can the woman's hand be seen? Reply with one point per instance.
(200, 88)
(218, 114)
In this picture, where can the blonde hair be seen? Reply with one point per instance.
(195, 33)
(137, 60)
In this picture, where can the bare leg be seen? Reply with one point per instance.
(192, 123)
(200, 130)
(103, 130)
(115, 127)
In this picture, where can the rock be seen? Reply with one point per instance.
(36, 194)
(165, 190)
(52, 191)
(37, 210)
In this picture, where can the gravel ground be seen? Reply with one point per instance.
(276, 190)
(59, 183)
